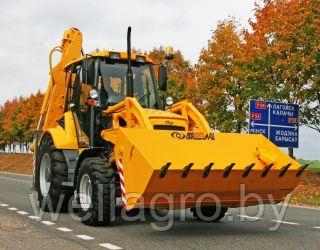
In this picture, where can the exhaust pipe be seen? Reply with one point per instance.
(129, 71)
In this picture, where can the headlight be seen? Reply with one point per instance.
(169, 100)
(169, 53)
(140, 59)
(114, 55)
(93, 93)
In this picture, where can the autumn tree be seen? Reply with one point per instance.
(180, 73)
(18, 121)
(3, 135)
(221, 83)
(32, 115)
(285, 56)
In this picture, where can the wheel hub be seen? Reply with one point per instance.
(48, 174)
(85, 190)
(45, 174)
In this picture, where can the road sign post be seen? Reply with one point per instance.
(277, 121)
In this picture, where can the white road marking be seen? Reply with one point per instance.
(250, 217)
(286, 222)
(317, 227)
(48, 223)
(110, 246)
(34, 217)
(4, 205)
(85, 237)
(13, 208)
(22, 212)
(64, 229)
(12, 179)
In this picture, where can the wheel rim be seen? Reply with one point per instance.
(85, 190)
(45, 174)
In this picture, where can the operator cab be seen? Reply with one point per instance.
(100, 81)
(106, 72)
(112, 80)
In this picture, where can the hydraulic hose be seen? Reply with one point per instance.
(49, 89)
(55, 49)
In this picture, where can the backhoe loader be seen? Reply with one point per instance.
(105, 133)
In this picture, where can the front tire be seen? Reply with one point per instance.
(96, 191)
(51, 172)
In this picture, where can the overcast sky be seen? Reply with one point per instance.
(29, 29)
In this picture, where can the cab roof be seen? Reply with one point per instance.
(107, 53)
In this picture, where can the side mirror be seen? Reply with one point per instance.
(162, 78)
(88, 71)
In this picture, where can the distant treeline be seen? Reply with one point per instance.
(18, 122)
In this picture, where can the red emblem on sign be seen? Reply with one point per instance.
(261, 105)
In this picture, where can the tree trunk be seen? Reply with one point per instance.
(238, 127)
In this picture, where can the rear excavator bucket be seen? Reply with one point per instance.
(156, 163)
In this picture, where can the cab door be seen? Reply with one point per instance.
(80, 108)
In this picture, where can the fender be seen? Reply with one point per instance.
(64, 135)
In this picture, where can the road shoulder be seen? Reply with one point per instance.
(17, 233)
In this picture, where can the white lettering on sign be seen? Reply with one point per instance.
(282, 112)
(286, 136)
(283, 106)
(286, 133)
(286, 139)
(258, 130)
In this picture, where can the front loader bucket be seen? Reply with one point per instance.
(161, 167)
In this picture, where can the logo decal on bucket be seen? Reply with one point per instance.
(193, 136)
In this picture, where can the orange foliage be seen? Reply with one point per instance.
(180, 71)
(18, 120)
(221, 79)
(284, 48)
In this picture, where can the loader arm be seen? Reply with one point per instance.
(194, 117)
(136, 117)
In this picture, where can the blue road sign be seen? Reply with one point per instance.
(277, 121)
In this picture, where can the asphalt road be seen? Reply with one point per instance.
(299, 228)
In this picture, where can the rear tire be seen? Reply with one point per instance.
(209, 214)
(51, 171)
(96, 191)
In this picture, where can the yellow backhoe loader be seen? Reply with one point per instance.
(104, 132)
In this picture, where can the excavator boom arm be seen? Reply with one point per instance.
(53, 105)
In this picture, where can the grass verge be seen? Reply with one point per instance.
(313, 164)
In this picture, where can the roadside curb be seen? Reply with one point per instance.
(300, 206)
(3, 172)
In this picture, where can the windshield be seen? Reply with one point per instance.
(113, 79)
